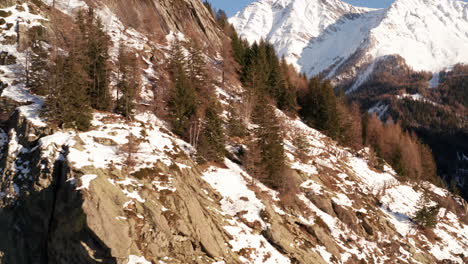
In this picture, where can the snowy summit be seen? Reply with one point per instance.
(343, 41)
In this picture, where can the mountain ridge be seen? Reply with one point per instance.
(362, 35)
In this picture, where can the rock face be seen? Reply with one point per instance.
(154, 16)
(72, 197)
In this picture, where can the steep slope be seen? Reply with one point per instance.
(87, 197)
(343, 41)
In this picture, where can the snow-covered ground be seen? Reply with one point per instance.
(399, 203)
(13, 75)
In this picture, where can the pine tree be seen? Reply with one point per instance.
(95, 46)
(222, 18)
(68, 103)
(236, 127)
(183, 103)
(319, 107)
(328, 115)
(128, 81)
(426, 216)
(270, 144)
(212, 140)
(239, 49)
(286, 99)
(197, 70)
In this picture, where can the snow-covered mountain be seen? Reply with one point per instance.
(343, 41)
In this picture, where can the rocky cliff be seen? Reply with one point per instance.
(74, 197)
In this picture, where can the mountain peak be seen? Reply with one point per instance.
(323, 36)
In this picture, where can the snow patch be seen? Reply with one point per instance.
(132, 259)
(380, 109)
(260, 250)
(69, 7)
(237, 197)
(86, 181)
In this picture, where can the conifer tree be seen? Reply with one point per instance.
(429, 168)
(222, 18)
(236, 127)
(68, 103)
(350, 124)
(319, 107)
(270, 144)
(286, 98)
(128, 81)
(239, 49)
(183, 102)
(197, 69)
(95, 46)
(212, 140)
(426, 216)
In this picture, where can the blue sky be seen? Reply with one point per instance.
(232, 6)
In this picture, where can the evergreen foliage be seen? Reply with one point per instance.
(426, 216)
(77, 82)
(183, 102)
(128, 81)
(193, 107)
(236, 127)
(68, 103)
(269, 142)
(319, 107)
(197, 72)
(95, 48)
(239, 48)
(263, 73)
(222, 18)
(212, 139)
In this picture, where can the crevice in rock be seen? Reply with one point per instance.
(58, 179)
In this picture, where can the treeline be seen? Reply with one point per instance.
(74, 75)
(408, 156)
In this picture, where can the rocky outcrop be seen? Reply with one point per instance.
(162, 17)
